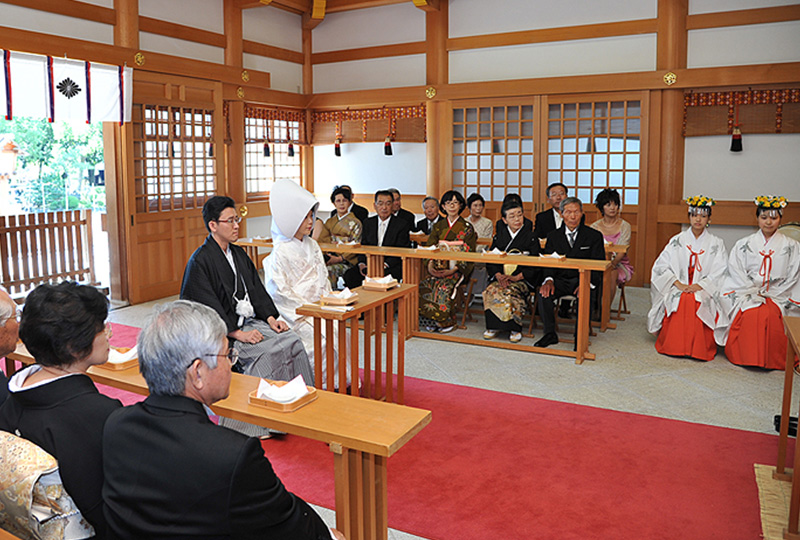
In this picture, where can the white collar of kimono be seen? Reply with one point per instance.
(289, 204)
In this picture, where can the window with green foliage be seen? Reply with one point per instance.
(48, 166)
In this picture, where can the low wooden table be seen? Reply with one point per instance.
(362, 434)
(792, 326)
(412, 274)
(378, 311)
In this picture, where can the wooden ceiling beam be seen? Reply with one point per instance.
(427, 5)
(316, 15)
(294, 6)
(337, 6)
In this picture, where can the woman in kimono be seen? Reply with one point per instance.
(684, 287)
(509, 287)
(295, 272)
(615, 230)
(342, 227)
(763, 270)
(437, 292)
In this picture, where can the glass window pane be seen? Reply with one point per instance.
(631, 179)
(570, 145)
(554, 111)
(569, 110)
(584, 178)
(512, 178)
(600, 161)
(615, 161)
(585, 161)
(526, 161)
(458, 115)
(615, 179)
(631, 196)
(513, 161)
(569, 161)
(554, 145)
(498, 194)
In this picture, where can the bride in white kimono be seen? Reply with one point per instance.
(295, 271)
(684, 288)
(763, 272)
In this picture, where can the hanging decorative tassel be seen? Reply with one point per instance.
(387, 146)
(736, 139)
(266, 149)
(266, 138)
(337, 150)
(290, 151)
(210, 150)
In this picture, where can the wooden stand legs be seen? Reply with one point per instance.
(361, 480)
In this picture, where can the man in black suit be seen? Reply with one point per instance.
(169, 471)
(381, 230)
(576, 241)
(399, 211)
(430, 207)
(550, 219)
(359, 211)
(9, 331)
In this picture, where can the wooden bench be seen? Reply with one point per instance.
(45, 248)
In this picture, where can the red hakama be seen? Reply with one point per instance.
(684, 334)
(757, 337)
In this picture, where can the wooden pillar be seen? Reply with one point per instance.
(439, 148)
(307, 155)
(126, 29)
(234, 174)
(667, 167)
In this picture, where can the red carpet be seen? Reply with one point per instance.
(500, 466)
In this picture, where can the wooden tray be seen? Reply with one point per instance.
(333, 301)
(282, 407)
(501, 254)
(383, 287)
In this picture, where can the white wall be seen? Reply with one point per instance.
(768, 165)
(565, 58)
(49, 23)
(369, 74)
(285, 76)
(741, 45)
(364, 168)
(401, 23)
(273, 26)
(711, 6)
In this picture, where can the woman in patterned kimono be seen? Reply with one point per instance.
(763, 269)
(342, 227)
(506, 297)
(437, 292)
(684, 287)
(294, 272)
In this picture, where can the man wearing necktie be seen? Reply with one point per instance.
(576, 241)
(382, 230)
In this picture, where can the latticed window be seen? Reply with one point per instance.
(493, 151)
(174, 162)
(269, 135)
(592, 146)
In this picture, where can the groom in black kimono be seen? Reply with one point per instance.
(221, 275)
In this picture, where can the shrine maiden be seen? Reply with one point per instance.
(763, 271)
(295, 271)
(684, 287)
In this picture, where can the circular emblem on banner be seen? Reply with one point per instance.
(670, 78)
(139, 59)
(240, 92)
(430, 92)
(245, 75)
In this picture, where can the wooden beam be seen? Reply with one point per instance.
(427, 5)
(379, 51)
(287, 55)
(70, 8)
(546, 35)
(308, 68)
(232, 20)
(265, 96)
(337, 6)
(38, 43)
(743, 17)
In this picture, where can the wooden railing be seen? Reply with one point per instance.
(45, 248)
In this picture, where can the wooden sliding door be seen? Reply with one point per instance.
(172, 154)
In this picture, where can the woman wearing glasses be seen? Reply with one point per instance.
(54, 403)
(437, 291)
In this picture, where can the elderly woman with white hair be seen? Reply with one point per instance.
(763, 270)
(169, 471)
(295, 272)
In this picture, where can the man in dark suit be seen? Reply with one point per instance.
(9, 330)
(359, 211)
(398, 210)
(381, 230)
(430, 207)
(169, 471)
(576, 241)
(550, 219)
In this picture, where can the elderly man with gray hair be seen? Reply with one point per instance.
(9, 330)
(576, 241)
(170, 472)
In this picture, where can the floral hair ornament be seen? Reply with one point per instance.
(700, 204)
(770, 201)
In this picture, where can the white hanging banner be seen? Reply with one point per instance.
(61, 89)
